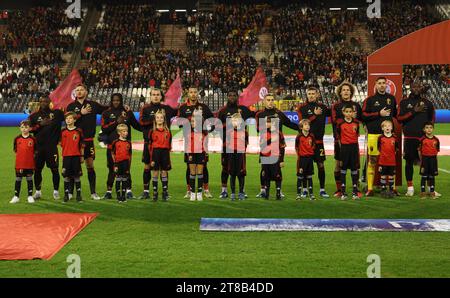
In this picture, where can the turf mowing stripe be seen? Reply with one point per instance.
(445, 171)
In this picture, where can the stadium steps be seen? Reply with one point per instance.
(367, 42)
(174, 37)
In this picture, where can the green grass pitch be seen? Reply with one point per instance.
(146, 239)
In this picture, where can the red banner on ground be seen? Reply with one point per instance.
(38, 236)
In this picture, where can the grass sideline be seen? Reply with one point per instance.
(146, 239)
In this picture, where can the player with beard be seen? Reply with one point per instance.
(46, 127)
(146, 120)
(87, 111)
(376, 108)
(231, 108)
(111, 118)
(415, 111)
(186, 111)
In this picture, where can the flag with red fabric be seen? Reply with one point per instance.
(64, 93)
(173, 95)
(256, 90)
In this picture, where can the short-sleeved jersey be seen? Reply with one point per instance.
(72, 142)
(388, 147)
(121, 150)
(305, 145)
(348, 132)
(429, 146)
(195, 141)
(236, 140)
(24, 149)
(266, 140)
(160, 138)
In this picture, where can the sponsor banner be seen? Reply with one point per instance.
(327, 225)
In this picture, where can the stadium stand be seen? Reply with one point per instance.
(309, 46)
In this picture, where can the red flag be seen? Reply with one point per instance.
(173, 95)
(256, 90)
(63, 94)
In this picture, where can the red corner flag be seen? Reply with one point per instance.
(173, 95)
(62, 95)
(256, 90)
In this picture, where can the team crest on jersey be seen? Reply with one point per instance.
(310, 112)
(124, 114)
(51, 115)
(190, 157)
(409, 106)
(39, 119)
(75, 137)
(76, 110)
(388, 101)
(377, 103)
(112, 116)
(152, 164)
(30, 143)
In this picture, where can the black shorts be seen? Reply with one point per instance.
(386, 170)
(429, 166)
(271, 172)
(122, 168)
(47, 156)
(89, 150)
(146, 154)
(72, 166)
(349, 157)
(236, 164)
(410, 149)
(337, 151)
(319, 153)
(305, 166)
(24, 172)
(195, 158)
(160, 160)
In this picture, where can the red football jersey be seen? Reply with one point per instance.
(236, 141)
(387, 146)
(160, 138)
(121, 150)
(429, 146)
(196, 142)
(72, 142)
(24, 148)
(348, 132)
(305, 145)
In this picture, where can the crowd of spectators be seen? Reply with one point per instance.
(38, 27)
(31, 75)
(298, 27)
(229, 27)
(126, 26)
(401, 18)
(158, 68)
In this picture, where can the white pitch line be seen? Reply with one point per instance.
(445, 171)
